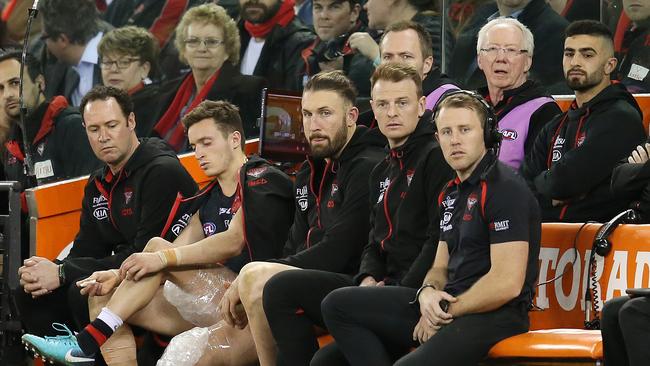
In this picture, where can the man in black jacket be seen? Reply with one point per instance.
(545, 24)
(124, 206)
(58, 144)
(331, 196)
(522, 105)
(232, 212)
(271, 39)
(334, 22)
(403, 237)
(570, 166)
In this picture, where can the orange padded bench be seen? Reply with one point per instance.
(564, 101)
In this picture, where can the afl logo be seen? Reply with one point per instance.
(100, 213)
(209, 228)
(510, 135)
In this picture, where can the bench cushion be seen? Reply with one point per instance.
(551, 343)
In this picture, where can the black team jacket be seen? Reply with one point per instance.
(266, 196)
(280, 59)
(404, 189)
(120, 213)
(631, 183)
(330, 225)
(574, 156)
(57, 135)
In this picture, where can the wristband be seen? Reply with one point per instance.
(417, 294)
(61, 275)
(162, 257)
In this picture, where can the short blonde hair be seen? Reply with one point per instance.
(209, 14)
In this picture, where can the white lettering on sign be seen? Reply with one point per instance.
(577, 276)
(642, 262)
(618, 276)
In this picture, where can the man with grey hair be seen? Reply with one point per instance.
(505, 55)
(544, 23)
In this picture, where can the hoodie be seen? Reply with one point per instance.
(330, 223)
(262, 189)
(631, 183)
(574, 155)
(404, 188)
(121, 212)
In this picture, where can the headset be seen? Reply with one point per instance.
(601, 244)
(491, 135)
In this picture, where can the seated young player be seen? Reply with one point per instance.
(243, 215)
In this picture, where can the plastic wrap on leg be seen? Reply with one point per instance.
(186, 348)
(210, 345)
(197, 299)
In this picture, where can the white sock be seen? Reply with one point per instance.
(108, 317)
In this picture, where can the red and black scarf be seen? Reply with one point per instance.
(169, 126)
(283, 17)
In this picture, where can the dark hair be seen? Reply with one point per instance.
(588, 27)
(102, 92)
(224, 114)
(426, 44)
(335, 81)
(32, 63)
(77, 19)
(131, 41)
(396, 72)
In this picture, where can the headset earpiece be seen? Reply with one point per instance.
(491, 135)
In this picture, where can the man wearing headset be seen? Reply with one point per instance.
(482, 280)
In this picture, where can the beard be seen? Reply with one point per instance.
(333, 146)
(584, 83)
(267, 13)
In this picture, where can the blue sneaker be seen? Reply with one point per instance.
(61, 349)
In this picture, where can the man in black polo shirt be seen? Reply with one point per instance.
(482, 280)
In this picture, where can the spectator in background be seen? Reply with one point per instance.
(634, 52)
(14, 20)
(159, 17)
(143, 178)
(573, 10)
(570, 166)
(58, 144)
(272, 38)
(505, 54)
(383, 13)
(304, 12)
(208, 41)
(545, 24)
(71, 31)
(128, 60)
(334, 22)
